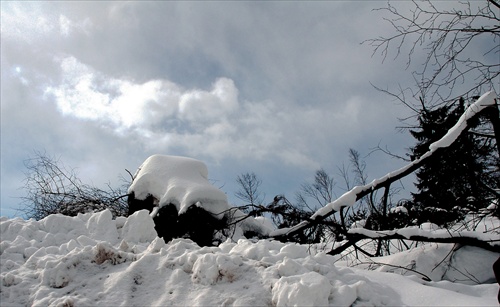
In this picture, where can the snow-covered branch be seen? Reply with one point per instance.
(349, 198)
(488, 241)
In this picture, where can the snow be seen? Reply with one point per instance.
(346, 200)
(399, 209)
(183, 182)
(265, 223)
(180, 181)
(359, 224)
(349, 198)
(416, 292)
(487, 99)
(92, 259)
(439, 262)
(428, 231)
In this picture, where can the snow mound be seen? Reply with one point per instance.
(441, 262)
(183, 203)
(180, 181)
(91, 260)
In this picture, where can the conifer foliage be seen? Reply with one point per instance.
(461, 179)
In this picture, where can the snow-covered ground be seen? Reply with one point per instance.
(92, 260)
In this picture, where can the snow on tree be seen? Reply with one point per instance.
(183, 203)
(472, 160)
(179, 181)
(349, 198)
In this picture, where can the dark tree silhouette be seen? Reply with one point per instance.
(460, 178)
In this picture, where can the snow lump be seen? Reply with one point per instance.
(183, 203)
(180, 181)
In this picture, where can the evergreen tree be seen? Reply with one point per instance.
(459, 178)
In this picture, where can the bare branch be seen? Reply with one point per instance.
(446, 36)
(358, 192)
(249, 189)
(52, 188)
(463, 238)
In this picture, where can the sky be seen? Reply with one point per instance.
(280, 89)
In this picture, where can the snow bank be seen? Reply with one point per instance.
(440, 262)
(180, 181)
(94, 260)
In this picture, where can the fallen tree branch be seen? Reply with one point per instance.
(349, 198)
(487, 241)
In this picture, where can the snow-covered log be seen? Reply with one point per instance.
(349, 198)
(182, 202)
(180, 181)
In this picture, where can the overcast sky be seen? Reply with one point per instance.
(276, 88)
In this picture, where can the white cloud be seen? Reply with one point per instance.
(200, 105)
(88, 94)
(25, 23)
(211, 123)
(31, 23)
(65, 25)
(260, 85)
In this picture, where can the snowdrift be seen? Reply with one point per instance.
(92, 259)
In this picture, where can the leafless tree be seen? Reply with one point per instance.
(461, 48)
(52, 188)
(248, 192)
(449, 36)
(355, 194)
(321, 190)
